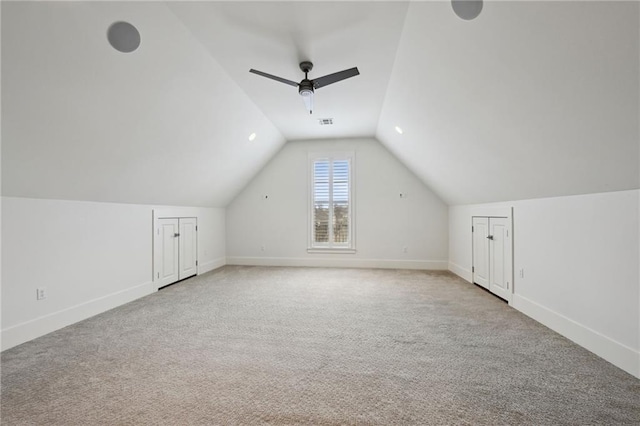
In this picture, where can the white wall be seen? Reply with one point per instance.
(90, 257)
(212, 249)
(579, 255)
(384, 223)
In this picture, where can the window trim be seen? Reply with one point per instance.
(313, 247)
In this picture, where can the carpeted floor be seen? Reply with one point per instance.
(255, 345)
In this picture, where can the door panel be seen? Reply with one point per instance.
(166, 242)
(481, 251)
(498, 251)
(188, 247)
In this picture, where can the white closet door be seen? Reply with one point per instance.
(498, 257)
(167, 252)
(481, 251)
(188, 247)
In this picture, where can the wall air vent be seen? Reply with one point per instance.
(325, 121)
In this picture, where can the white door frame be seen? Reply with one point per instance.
(505, 212)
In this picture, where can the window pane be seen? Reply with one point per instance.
(321, 201)
(321, 223)
(340, 201)
(340, 223)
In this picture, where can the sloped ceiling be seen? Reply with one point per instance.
(276, 37)
(531, 99)
(82, 121)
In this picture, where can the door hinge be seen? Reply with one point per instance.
(473, 269)
(507, 233)
(158, 275)
(472, 229)
(196, 228)
(196, 263)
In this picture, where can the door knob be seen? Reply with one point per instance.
(490, 237)
(176, 235)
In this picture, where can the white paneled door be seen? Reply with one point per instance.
(188, 247)
(498, 252)
(492, 258)
(481, 251)
(167, 252)
(175, 250)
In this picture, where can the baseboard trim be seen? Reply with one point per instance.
(463, 273)
(616, 353)
(211, 265)
(338, 263)
(29, 330)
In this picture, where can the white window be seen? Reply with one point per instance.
(331, 203)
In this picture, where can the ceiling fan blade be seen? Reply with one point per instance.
(335, 77)
(273, 77)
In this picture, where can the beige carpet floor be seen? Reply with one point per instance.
(257, 345)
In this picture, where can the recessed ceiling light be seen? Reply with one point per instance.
(399, 130)
(252, 136)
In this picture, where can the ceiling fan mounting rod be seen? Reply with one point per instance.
(306, 67)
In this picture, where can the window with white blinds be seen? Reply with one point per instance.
(331, 203)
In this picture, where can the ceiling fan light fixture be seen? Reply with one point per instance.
(307, 97)
(306, 91)
(252, 136)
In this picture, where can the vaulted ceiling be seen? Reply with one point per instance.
(530, 99)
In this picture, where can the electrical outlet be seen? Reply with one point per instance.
(41, 293)
(522, 273)
(405, 249)
(403, 195)
(262, 248)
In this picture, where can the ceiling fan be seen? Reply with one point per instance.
(306, 87)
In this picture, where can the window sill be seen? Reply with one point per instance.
(331, 250)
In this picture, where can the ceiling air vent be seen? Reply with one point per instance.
(325, 121)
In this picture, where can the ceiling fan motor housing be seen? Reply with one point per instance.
(305, 86)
